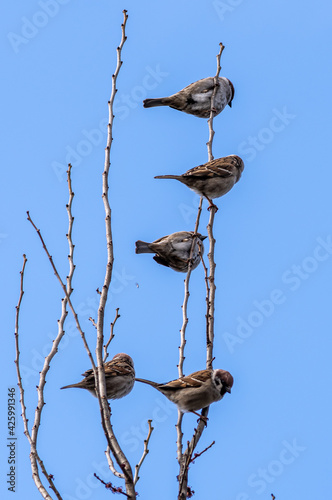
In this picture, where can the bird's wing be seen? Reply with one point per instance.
(161, 260)
(220, 171)
(194, 380)
(112, 369)
(115, 368)
(203, 172)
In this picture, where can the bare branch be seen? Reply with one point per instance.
(186, 296)
(184, 327)
(211, 292)
(212, 113)
(109, 486)
(179, 432)
(78, 325)
(145, 452)
(34, 457)
(99, 374)
(196, 455)
(70, 230)
(93, 322)
(111, 337)
(111, 464)
(187, 456)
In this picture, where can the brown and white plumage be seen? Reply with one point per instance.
(195, 99)
(197, 390)
(213, 179)
(174, 250)
(119, 376)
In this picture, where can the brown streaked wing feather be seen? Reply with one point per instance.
(202, 375)
(200, 172)
(119, 369)
(193, 380)
(219, 171)
(174, 384)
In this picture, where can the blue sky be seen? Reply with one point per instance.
(273, 232)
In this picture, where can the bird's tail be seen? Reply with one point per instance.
(151, 103)
(177, 177)
(142, 247)
(73, 385)
(154, 384)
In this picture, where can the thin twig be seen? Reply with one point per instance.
(212, 291)
(111, 464)
(93, 322)
(213, 112)
(179, 433)
(187, 455)
(34, 457)
(196, 455)
(145, 452)
(186, 295)
(78, 325)
(33, 452)
(111, 337)
(109, 486)
(207, 298)
(184, 327)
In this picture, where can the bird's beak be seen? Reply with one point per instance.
(230, 104)
(203, 238)
(228, 389)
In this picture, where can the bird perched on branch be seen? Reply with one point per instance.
(213, 179)
(174, 250)
(196, 98)
(196, 391)
(119, 376)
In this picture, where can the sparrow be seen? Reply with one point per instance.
(196, 391)
(119, 375)
(174, 250)
(196, 98)
(213, 179)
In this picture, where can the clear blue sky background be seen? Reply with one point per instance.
(273, 232)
